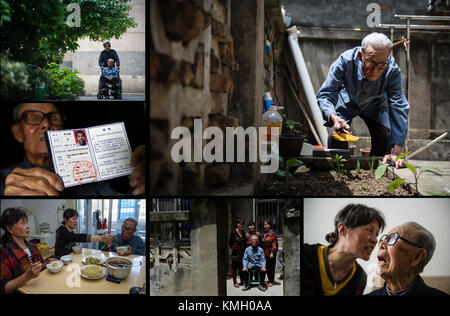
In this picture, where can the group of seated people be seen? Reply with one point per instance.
(21, 261)
(253, 255)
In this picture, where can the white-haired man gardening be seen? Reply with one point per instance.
(365, 81)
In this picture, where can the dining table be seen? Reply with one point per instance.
(70, 281)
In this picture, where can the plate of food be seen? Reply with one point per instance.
(92, 272)
(92, 260)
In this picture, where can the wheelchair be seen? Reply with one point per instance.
(106, 89)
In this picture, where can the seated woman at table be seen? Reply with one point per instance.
(136, 245)
(66, 238)
(20, 259)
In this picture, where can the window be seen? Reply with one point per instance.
(114, 211)
(127, 208)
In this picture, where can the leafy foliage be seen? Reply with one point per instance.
(63, 82)
(338, 164)
(293, 127)
(14, 79)
(36, 32)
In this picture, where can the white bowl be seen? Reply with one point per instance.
(55, 266)
(76, 249)
(121, 249)
(118, 271)
(67, 259)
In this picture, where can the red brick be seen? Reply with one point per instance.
(221, 83)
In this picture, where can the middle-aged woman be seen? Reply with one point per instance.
(238, 244)
(333, 270)
(66, 238)
(20, 259)
(270, 246)
(402, 255)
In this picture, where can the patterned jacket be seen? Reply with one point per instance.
(14, 262)
(237, 244)
(270, 243)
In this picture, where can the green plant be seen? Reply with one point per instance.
(358, 167)
(63, 82)
(292, 126)
(36, 77)
(371, 163)
(381, 170)
(286, 171)
(338, 164)
(14, 79)
(36, 32)
(364, 187)
(418, 171)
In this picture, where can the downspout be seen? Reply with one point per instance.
(307, 85)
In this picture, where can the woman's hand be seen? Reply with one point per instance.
(271, 255)
(34, 271)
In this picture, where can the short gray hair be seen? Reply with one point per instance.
(16, 111)
(378, 40)
(133, 220)
(424, 239)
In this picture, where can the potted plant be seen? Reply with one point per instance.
(291, 139)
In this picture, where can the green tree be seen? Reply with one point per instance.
(37, 32)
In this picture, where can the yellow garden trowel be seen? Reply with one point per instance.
(344, 137)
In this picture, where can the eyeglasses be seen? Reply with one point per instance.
(392, 239)
(372, 64)
(128, 229)
(34, 117)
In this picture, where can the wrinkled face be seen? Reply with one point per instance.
(255, 241)
(361, 240)
(72, 222)
(373, 62)
(32, 136)
(396, 260)
(110, 63)
(128, 229)
(21, 229)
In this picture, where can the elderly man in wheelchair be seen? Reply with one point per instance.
(110, 83)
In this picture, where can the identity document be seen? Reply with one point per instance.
(90, 154)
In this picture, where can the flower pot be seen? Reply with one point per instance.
(365, 152)
(291, 145)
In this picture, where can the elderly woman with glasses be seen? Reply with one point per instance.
(402, 255)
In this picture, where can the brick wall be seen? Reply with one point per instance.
(191, 59)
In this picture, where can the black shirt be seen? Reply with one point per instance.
(65, 241)
(104, 56)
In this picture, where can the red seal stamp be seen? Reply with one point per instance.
(84, 172)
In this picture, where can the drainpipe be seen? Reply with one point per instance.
(307, 85)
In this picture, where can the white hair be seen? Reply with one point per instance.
(377, 40)
(425, 239)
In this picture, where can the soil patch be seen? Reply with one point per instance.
(329, 183)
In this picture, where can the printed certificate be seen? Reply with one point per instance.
(92, 154)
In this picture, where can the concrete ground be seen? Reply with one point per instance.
(125, 97)
(275, 290)
(429, 183)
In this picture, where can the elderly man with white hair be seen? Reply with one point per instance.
(365, 81)
(402, 255)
